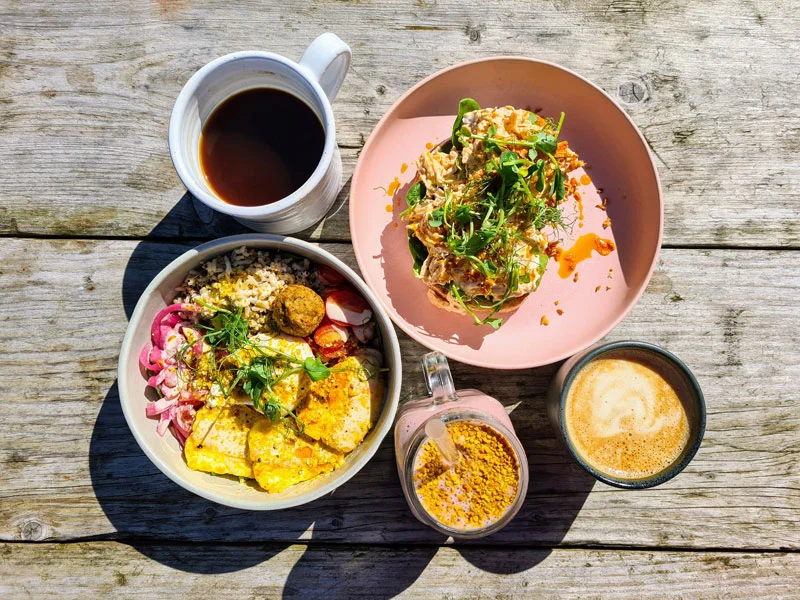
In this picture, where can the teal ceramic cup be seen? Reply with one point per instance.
(685, 385)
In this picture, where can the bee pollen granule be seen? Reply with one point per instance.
(479, 489)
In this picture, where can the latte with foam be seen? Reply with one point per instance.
(625, 417)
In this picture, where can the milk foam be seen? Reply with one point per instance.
(624, 416)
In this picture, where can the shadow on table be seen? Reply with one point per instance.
(176, 528)
(170, 525)
(183, 531)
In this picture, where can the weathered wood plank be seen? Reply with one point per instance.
(111, 570)
(71, 469)
(87, 93)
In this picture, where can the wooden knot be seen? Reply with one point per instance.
(33, 531)
(633, 92)
(473, 33)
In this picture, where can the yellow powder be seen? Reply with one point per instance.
(479, 489)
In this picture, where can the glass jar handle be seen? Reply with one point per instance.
(438, 378)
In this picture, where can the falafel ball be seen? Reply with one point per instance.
(298, 310)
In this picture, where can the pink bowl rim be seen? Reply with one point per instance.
(405, 326)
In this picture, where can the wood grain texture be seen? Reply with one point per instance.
(113, 570)
(86, 93)
(71, 469)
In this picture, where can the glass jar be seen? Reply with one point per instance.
(491, 456)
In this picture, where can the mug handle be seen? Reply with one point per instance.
(328, 59)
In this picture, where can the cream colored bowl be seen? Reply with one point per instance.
(165, 452)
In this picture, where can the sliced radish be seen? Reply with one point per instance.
(345, 307)
(329, 275)
(331, 336)
(364, 333)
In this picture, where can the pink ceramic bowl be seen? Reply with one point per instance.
(621, 169)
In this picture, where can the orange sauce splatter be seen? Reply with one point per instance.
(556, 302)
(559, 311)
(544, 320)
(573, 182)
(585, 179)
(597, 289)
(403, 168)
(575, 277)
(394, 225)
(428, 146)
(579, 202)
(389, 208)
(393, 187)
(582, 249)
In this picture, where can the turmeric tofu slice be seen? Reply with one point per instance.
(341, 409)
(218, 443)
(281, 457)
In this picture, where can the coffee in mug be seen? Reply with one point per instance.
(259, 146)
(235, 145)
(626, 415)
(630, 413)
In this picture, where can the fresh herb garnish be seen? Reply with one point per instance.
(466, 105)
(235, 361)
(418, 252)
(316, 369)
(488, 223)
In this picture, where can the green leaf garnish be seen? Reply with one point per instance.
(436, 218)
(316, 369)
(415, 194)
(544, 141)
(466, 105)
(418, 252)
(517, 189)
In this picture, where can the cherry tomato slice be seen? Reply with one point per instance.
(331, 336)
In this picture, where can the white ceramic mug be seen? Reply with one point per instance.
(315, 81)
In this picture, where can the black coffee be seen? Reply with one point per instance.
(259, 146)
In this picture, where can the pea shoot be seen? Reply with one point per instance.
(491, 215)
(234, 361)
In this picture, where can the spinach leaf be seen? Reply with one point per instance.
(508, 168)
(476, 243)
(466, 105)
(418, 252)
(463, 215)
(558, 185)
(540, 175)
(415, 194)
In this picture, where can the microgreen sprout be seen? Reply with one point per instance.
(488, 224)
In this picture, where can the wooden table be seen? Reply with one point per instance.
(91, 209)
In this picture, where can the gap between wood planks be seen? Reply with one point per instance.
(323, 240)
(327, 544)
